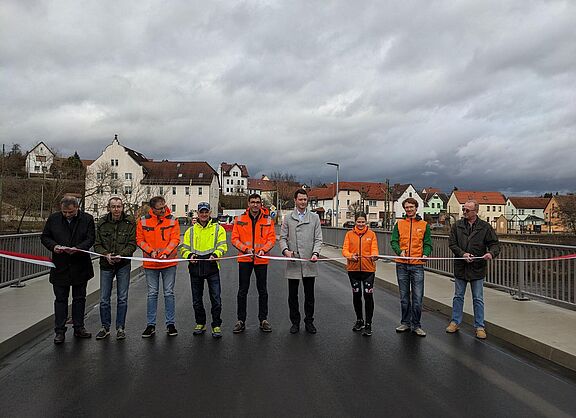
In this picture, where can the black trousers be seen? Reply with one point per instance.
(293, 284)
(244, 274)
(61, 294)
(362, 282)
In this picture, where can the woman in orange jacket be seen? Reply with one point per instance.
(361, 250)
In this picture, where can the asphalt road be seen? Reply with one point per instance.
(333, 373)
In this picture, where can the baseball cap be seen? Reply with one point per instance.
(203, 206)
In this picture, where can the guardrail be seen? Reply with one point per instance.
(14, 272)
(554, 281)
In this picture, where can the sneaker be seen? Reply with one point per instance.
(420, 332)
(402, 328)
(171, 330)
(120, 333)
(217, 332)
(367, 330)
(103, 333)
(481, 333)
(310, 328)
(452, 327)
(149, 331)
(265, 326)
(239, 327)
(82, 333)
(358, 325)
(294, 329)
(199, 329)
(59, 338)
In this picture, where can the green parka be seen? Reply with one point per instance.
(117, 238)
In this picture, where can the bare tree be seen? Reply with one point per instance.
(102, 182)
(286, 185)
(567, 212)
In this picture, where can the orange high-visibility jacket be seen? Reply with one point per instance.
(160, 234)
(362, 242)
(411, 235)
(263, 238)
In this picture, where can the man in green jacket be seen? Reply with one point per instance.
(116, 237)
(203, 244)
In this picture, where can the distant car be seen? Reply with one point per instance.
(349, 224)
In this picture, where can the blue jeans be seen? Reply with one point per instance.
(411, 286)
(477, 299)
(168, 279)
(122, 284)
(197, 283)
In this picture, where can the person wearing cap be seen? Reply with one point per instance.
(158, 235)
(203, 244)
(253, 234)
(301, 236)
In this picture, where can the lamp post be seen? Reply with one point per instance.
(337, 190)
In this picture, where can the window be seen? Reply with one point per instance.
(493, 208)
(533, 212)
(99, 176)
(173, 190)
(348, 192)
(200, 175)
(173, 208)
(186, 208)
(487, 208)
(114, 163)
(100, 190)
(147, 189)
(348, 201)
(199, 191)
(95, 207)
(179, 175)
(41, 158)
(234, 174)
(410, 194)
(371, 203)
(187, 193)
(499, 208)
(36, 168)
(114, 176)
(127, 189)
(128, 176)
(161, 190)
(114, 191)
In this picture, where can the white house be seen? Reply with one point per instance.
(400, 192)
(39, 159)
(123, 172)
(233, 178)
(523, 213)
(491, 204)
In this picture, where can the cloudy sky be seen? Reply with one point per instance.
(478, 94)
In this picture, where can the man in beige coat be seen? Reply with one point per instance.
(301, 237)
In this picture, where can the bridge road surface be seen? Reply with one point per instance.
(334, 373)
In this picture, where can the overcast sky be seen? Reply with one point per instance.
(477, 94)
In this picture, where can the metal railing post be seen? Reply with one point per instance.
(19, 269)
(519, 295)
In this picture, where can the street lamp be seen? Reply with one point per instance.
(337, 190)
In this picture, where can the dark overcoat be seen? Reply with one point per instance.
(71, 269)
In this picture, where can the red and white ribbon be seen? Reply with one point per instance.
(27, 258)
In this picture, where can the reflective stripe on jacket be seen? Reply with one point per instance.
(203, 241)
(160, 234)
(264, 236)
(411, 235)
(361, 242)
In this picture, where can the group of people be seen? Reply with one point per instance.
(71, 232)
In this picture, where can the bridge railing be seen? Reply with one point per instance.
(551, 280)
(14, 272)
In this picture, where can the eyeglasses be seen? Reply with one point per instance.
(159, 209)
(465, 210)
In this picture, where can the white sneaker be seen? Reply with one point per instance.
(402, 328)
(420, 332)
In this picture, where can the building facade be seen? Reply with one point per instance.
(39, 160)
(233, 178)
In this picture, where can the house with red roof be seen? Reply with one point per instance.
(525, 214)
(491, 204)
(233, 178)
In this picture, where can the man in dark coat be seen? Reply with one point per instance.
(64, 234)
(470, 238)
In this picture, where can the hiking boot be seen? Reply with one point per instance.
(310, 328)
(367, 330)
(481, 333)
(120, 333)
(265, 326)
(358, 325)
(294, 329)
(402, 328)
(419, 332)
(82, 333)
(199, 329)
(452, 327)
(217, 332)
(171, 330)
(149, 331)
(59, 338)
(103, 333)
(239, 327)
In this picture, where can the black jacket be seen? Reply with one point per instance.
(117, 238)
(71, 269)
(480, 240)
